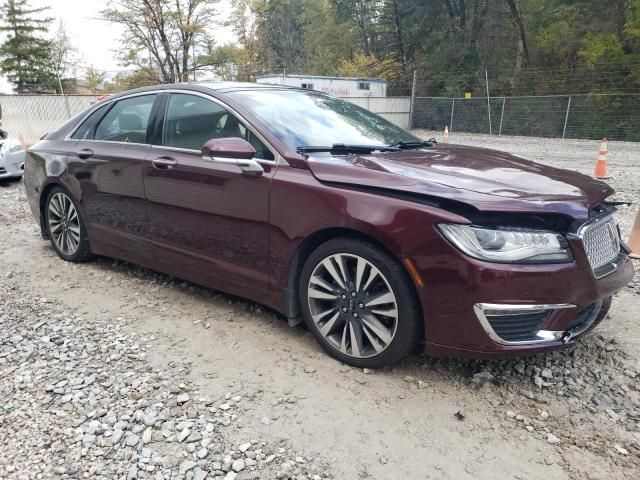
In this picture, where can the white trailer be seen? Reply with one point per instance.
(337, 86)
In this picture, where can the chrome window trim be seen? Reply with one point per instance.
(100, 105)
(111, 143)
(198, 152)
(278, 159)
(543, 336)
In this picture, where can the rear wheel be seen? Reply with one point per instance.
(65, 226)
(359, 303)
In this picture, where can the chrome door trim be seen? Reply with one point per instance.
(247, 165)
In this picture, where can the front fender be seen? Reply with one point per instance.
(302, 207)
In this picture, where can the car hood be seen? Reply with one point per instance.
(488, 180)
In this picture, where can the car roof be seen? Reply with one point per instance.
(218, 87)
(230, 86)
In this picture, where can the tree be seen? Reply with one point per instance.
(527, 46)
(244, 21)
(162, 34)
(127, 80)
(26, 57)
(327, 41)
(280, 27)
(94, 78)
(64, 55)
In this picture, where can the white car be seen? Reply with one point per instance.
(12, 156)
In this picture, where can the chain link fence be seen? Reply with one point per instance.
(556, 116)
(567, 116)
(32, 116)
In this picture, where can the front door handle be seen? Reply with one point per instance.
(164, 163)
(85, 153)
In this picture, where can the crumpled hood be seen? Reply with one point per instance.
(488, 180)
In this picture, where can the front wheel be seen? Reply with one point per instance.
(359, 303)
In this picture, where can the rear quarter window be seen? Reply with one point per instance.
(86, 128)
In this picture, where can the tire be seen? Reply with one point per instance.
(359, 303)
(61, 213)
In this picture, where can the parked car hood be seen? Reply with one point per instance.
(488, 180)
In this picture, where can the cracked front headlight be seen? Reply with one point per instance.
(508, 245)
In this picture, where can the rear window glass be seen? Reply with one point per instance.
(85, 131)
(127, 121)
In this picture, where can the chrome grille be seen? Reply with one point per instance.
(601, 242)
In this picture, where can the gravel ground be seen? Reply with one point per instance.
(80, 399)
(108, 370)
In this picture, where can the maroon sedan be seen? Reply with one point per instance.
(324, 211)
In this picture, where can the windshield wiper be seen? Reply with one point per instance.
(406, 145)
(342, 148)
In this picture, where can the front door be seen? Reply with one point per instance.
(208, 222)
(112, 146)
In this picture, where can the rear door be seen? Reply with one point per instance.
(209, 223)
(112, 147)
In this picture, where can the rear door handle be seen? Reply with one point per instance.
(164, 163)
(85, 153)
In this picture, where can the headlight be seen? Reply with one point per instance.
(12, 145)
(16, 147)
(508, 245)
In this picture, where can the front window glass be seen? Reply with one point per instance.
(302, 118)
(192, 121)
(127, 121)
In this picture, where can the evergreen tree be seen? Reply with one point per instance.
(26, 57)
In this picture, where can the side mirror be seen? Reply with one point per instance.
(232, 151)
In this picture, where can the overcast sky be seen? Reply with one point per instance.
(96, 39)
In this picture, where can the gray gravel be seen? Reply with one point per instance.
(80, 399)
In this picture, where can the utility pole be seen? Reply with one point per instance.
(413, 98)
(66, 100)
(486, 77)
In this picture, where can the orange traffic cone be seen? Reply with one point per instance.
(446, 134)
(634, 238)
(601, 164)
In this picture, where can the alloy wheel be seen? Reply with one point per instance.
(352, 305)
(64, 223)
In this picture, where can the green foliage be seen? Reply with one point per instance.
(597, 47)
(141, 77)
(527, 46)
(26, 56)
(94, 78)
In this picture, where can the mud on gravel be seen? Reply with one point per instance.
(108, 370)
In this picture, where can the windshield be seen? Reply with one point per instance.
(302, 119)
